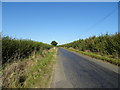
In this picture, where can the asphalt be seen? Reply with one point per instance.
(74, 70)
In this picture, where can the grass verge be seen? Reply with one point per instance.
(93, 55)
(34, 72)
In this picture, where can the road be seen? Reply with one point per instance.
(74, 70)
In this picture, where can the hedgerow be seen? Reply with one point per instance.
(104, 45)
(13, 48)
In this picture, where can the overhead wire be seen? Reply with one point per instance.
(100, 21)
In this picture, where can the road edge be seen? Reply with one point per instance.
(53, 70)
(100, 62)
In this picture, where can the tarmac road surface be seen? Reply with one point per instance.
(74, 70)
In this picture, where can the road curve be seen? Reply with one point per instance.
(77, 71)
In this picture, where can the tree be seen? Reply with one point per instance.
(54, 43)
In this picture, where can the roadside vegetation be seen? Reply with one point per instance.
(105, 47)
(26, 63)
(13, 49)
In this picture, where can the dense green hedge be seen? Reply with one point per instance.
(103, 45)
(18, 48)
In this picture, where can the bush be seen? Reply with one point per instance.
(103, 45)
(13, 48)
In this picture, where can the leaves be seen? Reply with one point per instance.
(104, 44)
(15, 49)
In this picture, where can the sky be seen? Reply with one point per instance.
(63, 22)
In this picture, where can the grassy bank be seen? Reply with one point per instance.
(97, 56)
(33, 72)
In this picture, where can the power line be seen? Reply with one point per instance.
(101, 20)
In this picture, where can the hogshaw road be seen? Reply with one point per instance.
(74, 70)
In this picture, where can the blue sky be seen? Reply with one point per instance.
(63, 22)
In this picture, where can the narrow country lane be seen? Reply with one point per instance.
(74, 70)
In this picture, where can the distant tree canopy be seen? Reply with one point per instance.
(54, 43)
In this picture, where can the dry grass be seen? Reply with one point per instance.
(34, 72)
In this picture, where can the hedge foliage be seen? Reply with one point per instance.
(13, 48)
(104, 45)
